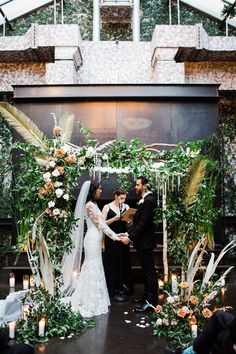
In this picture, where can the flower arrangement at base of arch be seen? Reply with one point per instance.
(194, 301)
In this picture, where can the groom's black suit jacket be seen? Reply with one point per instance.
(142, 233)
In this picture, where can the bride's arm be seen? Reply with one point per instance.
(95, 216)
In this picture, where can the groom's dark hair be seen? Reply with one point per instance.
(144, 180)
(91, 194)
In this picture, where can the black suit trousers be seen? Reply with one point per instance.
(150, 277)
(216, 337)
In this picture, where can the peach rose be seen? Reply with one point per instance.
(184, 285)
(70, 159)
(42, 191)
(181, 313)
(59, 153)
(48, 186)
(60, 169)
(207, 313)
(158, 309)
(192, 320)
(57, 131)
(193, 299)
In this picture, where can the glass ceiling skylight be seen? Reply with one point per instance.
(16, 8)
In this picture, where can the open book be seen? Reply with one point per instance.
(128, 216)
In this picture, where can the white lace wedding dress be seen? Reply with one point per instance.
(91, 295)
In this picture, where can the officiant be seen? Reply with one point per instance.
(117, 263)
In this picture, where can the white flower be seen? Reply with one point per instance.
(47, 176)
(58, 184)
(105, 157)
(59, 192)
(52, 163)
(55, 173)
(56, 212)
(187, 150)
(63, 214)
(66, 196)
(81, 160)
(170, 299)
(176, 297)
(159, 322)
(140, 201)
(90, 152)
(157, 165)
(51, 204)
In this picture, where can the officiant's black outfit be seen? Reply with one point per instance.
(117, 264)
(142, 235)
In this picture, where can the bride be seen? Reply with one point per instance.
(87, 287)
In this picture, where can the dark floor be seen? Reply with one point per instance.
(111, 333)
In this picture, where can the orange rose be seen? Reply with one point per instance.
(60, 169)
(207, 313)
(48, 186)
(59, 153)
(71, 159)
(42, 191)
(193, 299)
(183, 285)
(181, 313)
(57, 131)
(158, 309)
(192, 320)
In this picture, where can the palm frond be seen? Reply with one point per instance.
(66, 123)
(195, 262)
(210, 270)
(46, 267)
(196, 174)
(22, 124)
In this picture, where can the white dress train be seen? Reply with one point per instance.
(91, 295)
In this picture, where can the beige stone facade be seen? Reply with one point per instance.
(55, 54)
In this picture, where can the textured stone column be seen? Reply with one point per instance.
(136, 21)
(96, 21)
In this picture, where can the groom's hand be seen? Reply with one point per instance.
(125, 240)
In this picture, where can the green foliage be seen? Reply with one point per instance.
(228, 131)
(186, 227)
(5, 169)
(152, 13)
(5, 244)
(61, 321)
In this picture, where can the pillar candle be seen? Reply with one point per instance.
(12, 280)
(32, 282)
(194, 331)
(174, 284)
(12, 328)
(42, 327)
(25, 282)
(160, 283)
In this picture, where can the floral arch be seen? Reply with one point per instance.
(185, 180)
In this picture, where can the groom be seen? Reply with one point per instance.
(143, 238)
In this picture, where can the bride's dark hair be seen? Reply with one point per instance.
(92, 191)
